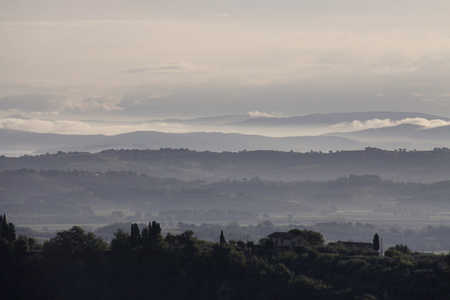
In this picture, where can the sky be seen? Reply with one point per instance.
(64, 61)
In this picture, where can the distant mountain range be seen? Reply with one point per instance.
(401, 136)
(337, 133)
(13, 140)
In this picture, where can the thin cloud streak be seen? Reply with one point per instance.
(84, 127)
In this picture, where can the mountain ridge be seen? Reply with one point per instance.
(50, 142)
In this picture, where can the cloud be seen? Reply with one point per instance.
(435, 98)
(425, 123)
(380, 123)
(257, 114)
(90, 104)
(172, 67)
(169, 67)
(82, 127)
(45, 126)
(29, 103)
(42, 104)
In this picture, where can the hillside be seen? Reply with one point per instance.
(29, 142)
(189, 185)
(399, 166)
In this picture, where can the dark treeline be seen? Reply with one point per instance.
(426, 238)
(143, 264)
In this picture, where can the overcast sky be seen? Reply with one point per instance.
(147, 59)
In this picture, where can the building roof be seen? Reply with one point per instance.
(284, 235)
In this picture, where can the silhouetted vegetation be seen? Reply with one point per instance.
(143, 264)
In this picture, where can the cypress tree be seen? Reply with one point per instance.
(11, 232)
(7, 230)
(376, 242)
(4, 228)
(222, 238)
(1, 226)
(135, 236)
(154, 231)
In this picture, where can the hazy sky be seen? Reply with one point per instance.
(147, 59)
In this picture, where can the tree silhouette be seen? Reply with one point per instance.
(222, 238)
(376, 242)
(121, 241)
(74, 242)
(7, 230)
(135, 236)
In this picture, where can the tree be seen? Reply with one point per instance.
(120, 241)
(21, 245)
(312, 238)
(154, 231)
(397, 250)
(74, 242)
(7, 230)
(151, 235)
(135, 236)
(222, 238)
(189, 243)
(376, 242)
(95, 245)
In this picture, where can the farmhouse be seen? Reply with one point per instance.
(286, 239)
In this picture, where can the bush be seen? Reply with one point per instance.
(397, 250)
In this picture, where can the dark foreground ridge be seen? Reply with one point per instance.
(143, 264)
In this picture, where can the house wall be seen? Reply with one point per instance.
(279, 242)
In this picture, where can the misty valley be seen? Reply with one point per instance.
(48, 192)
(367, 224)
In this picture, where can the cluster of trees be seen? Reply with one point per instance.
(7, 230)
(74, 242)
(143, 264)
(149, 238)
(10, 244)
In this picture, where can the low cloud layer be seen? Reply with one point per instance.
(174, 126)
(378, 123)
(258, 114)
(85, 127)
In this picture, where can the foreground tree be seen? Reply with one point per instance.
(312, 238)
(397, 250)
(222, 238)
(121, 241)
(74, 242)
(7, 230)
(376, 242)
